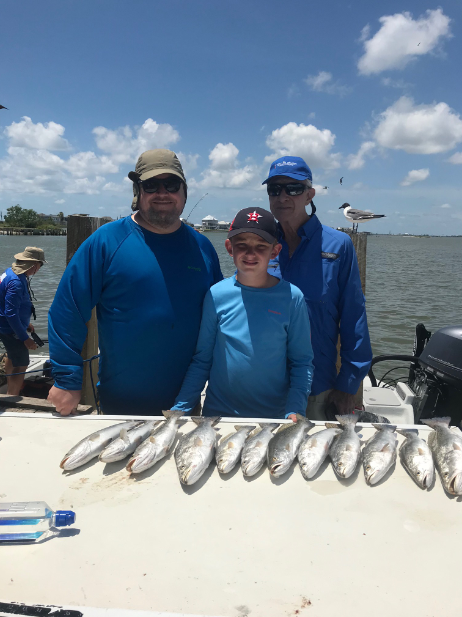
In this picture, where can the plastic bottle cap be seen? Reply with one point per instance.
(64, 518)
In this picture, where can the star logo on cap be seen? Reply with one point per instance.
(253, 216)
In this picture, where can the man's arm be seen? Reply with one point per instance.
(355, 345)
(299, 359)
(199, 370)
(78, 292)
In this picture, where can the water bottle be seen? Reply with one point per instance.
(31, 521)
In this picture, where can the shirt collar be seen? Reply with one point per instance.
(307, 230)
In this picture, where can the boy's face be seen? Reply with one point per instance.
(251, 253)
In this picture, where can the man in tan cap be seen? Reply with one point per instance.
(15, 312)
(147, 275)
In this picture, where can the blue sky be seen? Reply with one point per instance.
(359, 91)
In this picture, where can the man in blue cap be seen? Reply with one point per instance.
(322, 262)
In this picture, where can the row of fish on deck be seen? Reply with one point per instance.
(149, 441)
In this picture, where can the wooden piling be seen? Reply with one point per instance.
(360, 243)
(79, 228)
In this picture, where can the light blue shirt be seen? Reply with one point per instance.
(254, 349)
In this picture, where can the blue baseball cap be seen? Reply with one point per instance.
(291, 166)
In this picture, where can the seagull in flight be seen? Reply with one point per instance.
(358, 216)
(341, 180)
(325, 188)
(2, 107)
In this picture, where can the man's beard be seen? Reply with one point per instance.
(163, 220)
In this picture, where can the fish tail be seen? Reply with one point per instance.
(347, 419)
(436, 422)
(172, 413)
(331, 425)
(212, 420)
(246, 426)
(385, 427)
(271, 427)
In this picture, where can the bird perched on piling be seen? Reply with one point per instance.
(358, 216)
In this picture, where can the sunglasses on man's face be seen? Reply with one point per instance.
(152, 185)
(292, 189)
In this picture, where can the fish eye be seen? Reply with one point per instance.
(418, 473)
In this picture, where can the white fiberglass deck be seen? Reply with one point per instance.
(225, 546)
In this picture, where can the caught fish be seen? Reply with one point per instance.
(195, 450)
(255, 450)
(126, 443)
(314, 450)
(93, 445)
(230, 448)
(379, 453)
(346, 447)
(373, 418)
(284, 446)
(157, 445)
(416, 458)
(446, 446)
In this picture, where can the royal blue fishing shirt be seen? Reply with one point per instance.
(15, 304)
(148, 290)
(254, 349)
(324, 266)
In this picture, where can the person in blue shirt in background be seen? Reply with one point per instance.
(147, 275)
(254, 342)
(16, 309)
(322, 262)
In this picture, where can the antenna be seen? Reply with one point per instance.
(196, 205)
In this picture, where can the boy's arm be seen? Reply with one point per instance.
(13, 299)
(299, 359)
(199, 370)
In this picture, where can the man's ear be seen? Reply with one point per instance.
(309, 195)
(276, 250)
(229, 246)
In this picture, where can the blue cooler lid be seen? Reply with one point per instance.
(64, 518)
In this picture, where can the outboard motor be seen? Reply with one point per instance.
(436, 377)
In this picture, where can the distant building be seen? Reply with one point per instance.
(187, 222)
(197, 226)
(105, 219)
(223, 225)
(209, 222)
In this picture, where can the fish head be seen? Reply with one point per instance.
(422, 468)
(346, 463)
(113, 451)
(279, 462)
(376, 467)
(451, 472)
(251, 461)
(74, 457)
(191, 468)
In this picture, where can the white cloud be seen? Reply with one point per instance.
(84, 164)
(114, 187)
(446, 206)
(293, 91)
(26, 134)
(85, 186)
(224, 170)
(188, 162)
(60, 201)
(323, 82)
(124, 144)
(401, 39)
(257, 198)
(456, 158)
(419, 129)
(416, 175)
(356, 161)
(312, 144)
(395, 83)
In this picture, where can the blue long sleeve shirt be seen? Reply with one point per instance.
(15, 304)
(148, 290)
(254, 349)
(324, 266)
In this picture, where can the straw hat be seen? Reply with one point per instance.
(26, 259)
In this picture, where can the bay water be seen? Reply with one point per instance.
(409, 280)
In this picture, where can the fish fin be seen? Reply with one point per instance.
(348, 447)
(214, 420)
(347, 419)
(198, 442)
(259, 444)
(387, 448)
(225, 437)
(435, 422)
(456, 446)
(407, 432)
(421, 451)
(385, 427)
(271, 426)
(230, 444)
(288, 447)
(152, 439)
(94, 437)
(124, 435)
(201, 419)
(332, 425)
(284, 427)
(198, 420)
(313, 442)
(247, 426)
(173, 413)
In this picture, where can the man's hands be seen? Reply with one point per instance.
(30, 344)
(30, 328)
(65, 401)
(344, 402)
(292, 417)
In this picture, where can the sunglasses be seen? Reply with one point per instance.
(292, 189)
(152, 185)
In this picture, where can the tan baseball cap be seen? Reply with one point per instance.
(156, 162)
